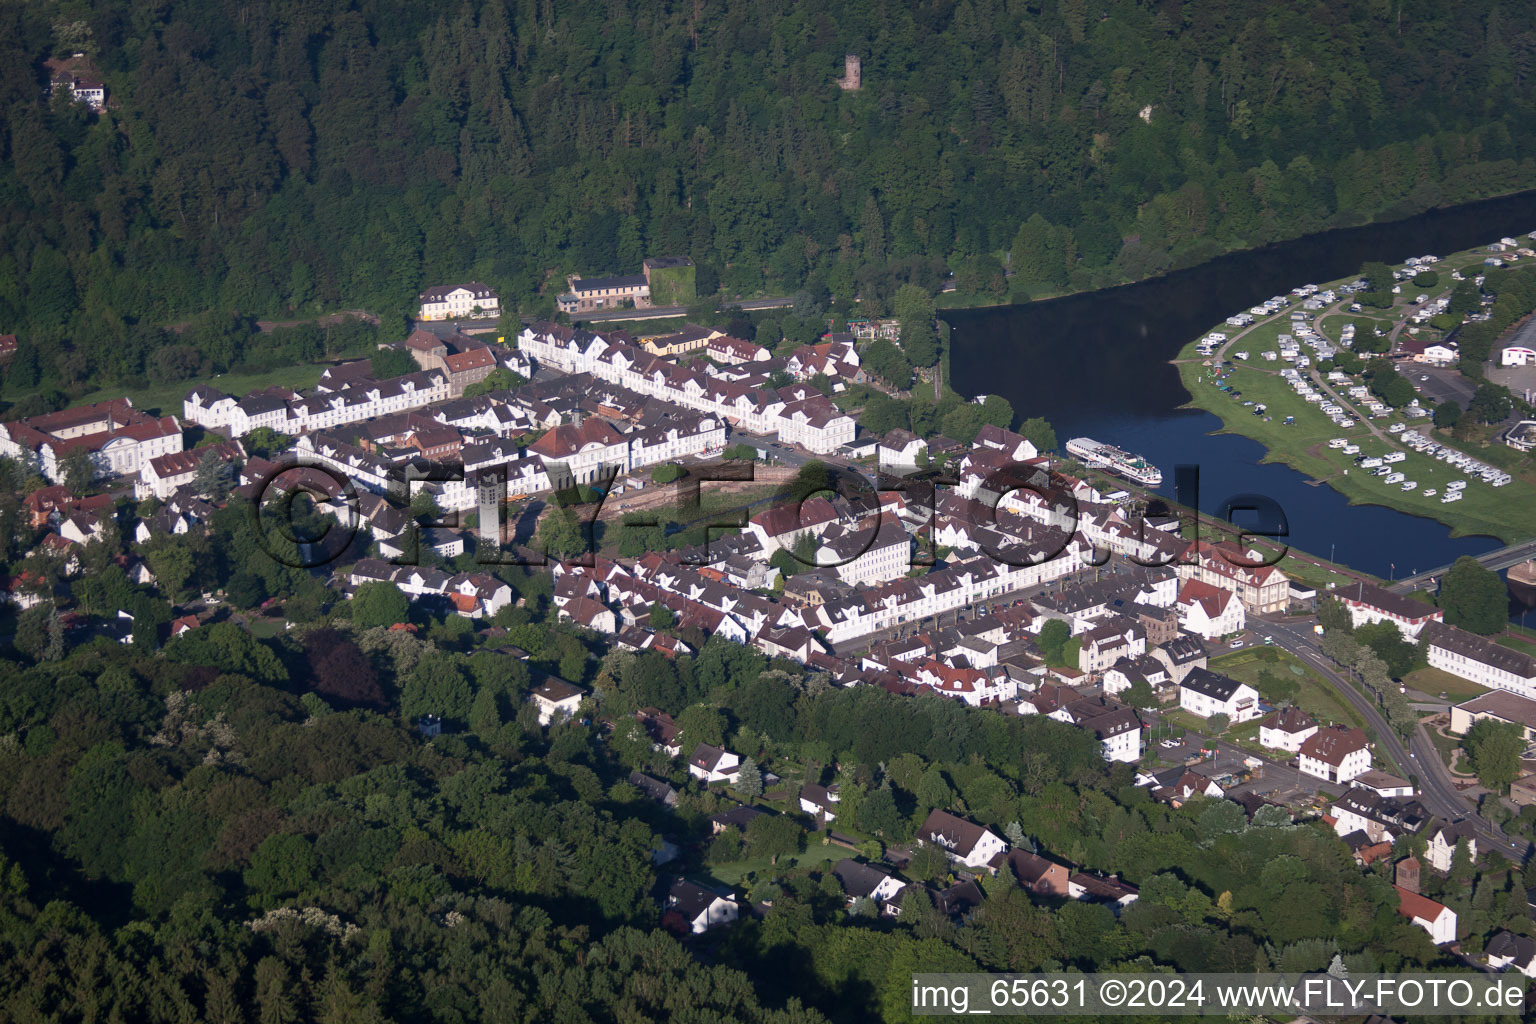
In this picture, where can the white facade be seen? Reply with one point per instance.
(1240, 706)
(1208, 624)
(1435, 918)
(1482, 661)
(1353, 763)
(1442, 847)
(1279, 739)
(457, 303)
(812, 422)
(985, 848)
(1123, 746)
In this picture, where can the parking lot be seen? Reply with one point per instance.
(1519, 379)
(1275, 781)
(1445, 383)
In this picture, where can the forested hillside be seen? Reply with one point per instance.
(238, 831)
(268, 158)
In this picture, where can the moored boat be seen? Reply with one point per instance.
(1097, 455)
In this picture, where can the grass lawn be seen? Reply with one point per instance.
(1181, 719)
(1434, 682)
(1316, 695)
(166, 397)
(1449, 749)
(266, 628)
(815, 856)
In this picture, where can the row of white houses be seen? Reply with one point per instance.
(799, 415)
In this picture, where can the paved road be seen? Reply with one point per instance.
(1437, 791)
(665, 312)
(1503, 558)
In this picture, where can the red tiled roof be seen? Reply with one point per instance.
(1213, 599)
(1417, 907)
(1333, 744)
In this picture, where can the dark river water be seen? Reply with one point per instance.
(1096, 364)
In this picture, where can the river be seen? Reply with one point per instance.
(1097, 364)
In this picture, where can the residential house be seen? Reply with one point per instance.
(739, 817)
(1382, 819)
(1287, 729)
(207, 407)
(1209, 612)
(1205, 693)
(1443, 839)
(1125, 672)
(1015, 447)
(1335, 754)
(656, 789)
(556, 699)
(899, 450)
(591, 614)
(713, 764)
(1108, 890)
(1262, 589)
(694, 910)
(862, 881)
(819, 801)
(1508, 951)
(1106, 644)
(79, 76)
(964, 842)
(864, 553)
(662, 730)
(1181, 656)
(1039, 875)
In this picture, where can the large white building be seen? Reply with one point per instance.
(456, 301)
(164, 475)
(867, 551)
(1369, 604)
(1482, 661)
(119, 439)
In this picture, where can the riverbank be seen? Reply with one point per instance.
(1101, 282)
(1233, 381)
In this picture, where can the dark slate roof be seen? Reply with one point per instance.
(1211, 684)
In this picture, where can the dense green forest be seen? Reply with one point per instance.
(271, 159)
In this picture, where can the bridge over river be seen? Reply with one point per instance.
(1502, 558)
